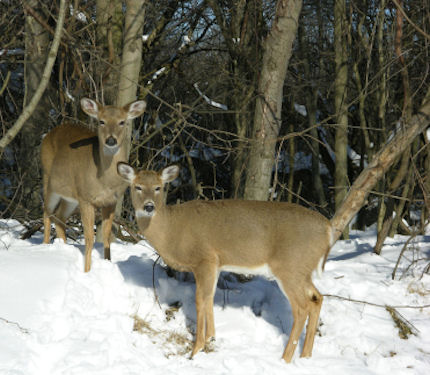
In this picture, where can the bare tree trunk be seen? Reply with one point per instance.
(110, 17)
(381, 95)
(131, 55)
(403, 170)
(130, 64)
(340, 102)
(36, 52)
(359, 191)
(241, 32)
(267, 116)
(291, 166)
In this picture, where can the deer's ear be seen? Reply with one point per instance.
(168, 174)
(135, 109)
(90, 107)
(126, 171)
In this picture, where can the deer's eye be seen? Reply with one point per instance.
(138, 188)
(157, 189)
(102, 123)
(121, 123)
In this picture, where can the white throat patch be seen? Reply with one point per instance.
(110, 150)
(143, 213)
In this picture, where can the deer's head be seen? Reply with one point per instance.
(147, 188)
(112, 120)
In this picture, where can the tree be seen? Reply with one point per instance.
(205, 74)
(267, 116)
(37, 40)
(340, 103)
(40, 73)
(109, 37)
(131, 62)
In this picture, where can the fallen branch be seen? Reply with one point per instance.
(357, 195)
(31, 229)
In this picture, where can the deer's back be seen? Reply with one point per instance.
(245, 232)
(67, 141)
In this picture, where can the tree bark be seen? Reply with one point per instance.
(340, 103)
(367, 179)
(131, 60)
(267, 116)
(109, 34)
(241, 31)
(36, 51)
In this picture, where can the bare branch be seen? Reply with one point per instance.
(28, 110)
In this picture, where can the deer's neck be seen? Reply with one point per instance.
(155, 228)
(159, 231)
(107, 164)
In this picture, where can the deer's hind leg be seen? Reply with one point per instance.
(314, 308)
(305, 301)
(50, 203)
(63, 212)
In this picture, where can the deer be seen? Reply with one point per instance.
(80, 169)
(282, 241)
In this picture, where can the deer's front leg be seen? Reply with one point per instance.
(108, 214)
(205, 275)
(88, 217)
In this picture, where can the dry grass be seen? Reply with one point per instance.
(173, 343)
(418, 288)
(405, 327)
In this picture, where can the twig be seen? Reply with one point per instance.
(133, 234)
(376, 304)
(404, 248)
(31, 229)
(153, 283)
(5, 82)
(413, 24)
(22, 329)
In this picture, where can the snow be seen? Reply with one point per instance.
(209, 100)
(355, 157)
(78, 15)
(56, 319)
(156, 75)
(186, 40)
(301, 109)
(12, 52)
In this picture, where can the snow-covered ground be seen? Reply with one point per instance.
(55, 319)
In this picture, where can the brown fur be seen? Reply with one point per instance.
(76, 170)
(206, 237)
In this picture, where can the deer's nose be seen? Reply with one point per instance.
(111, 141)
(149, 207)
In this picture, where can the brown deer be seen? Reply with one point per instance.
(283, 241)
(80, 168)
